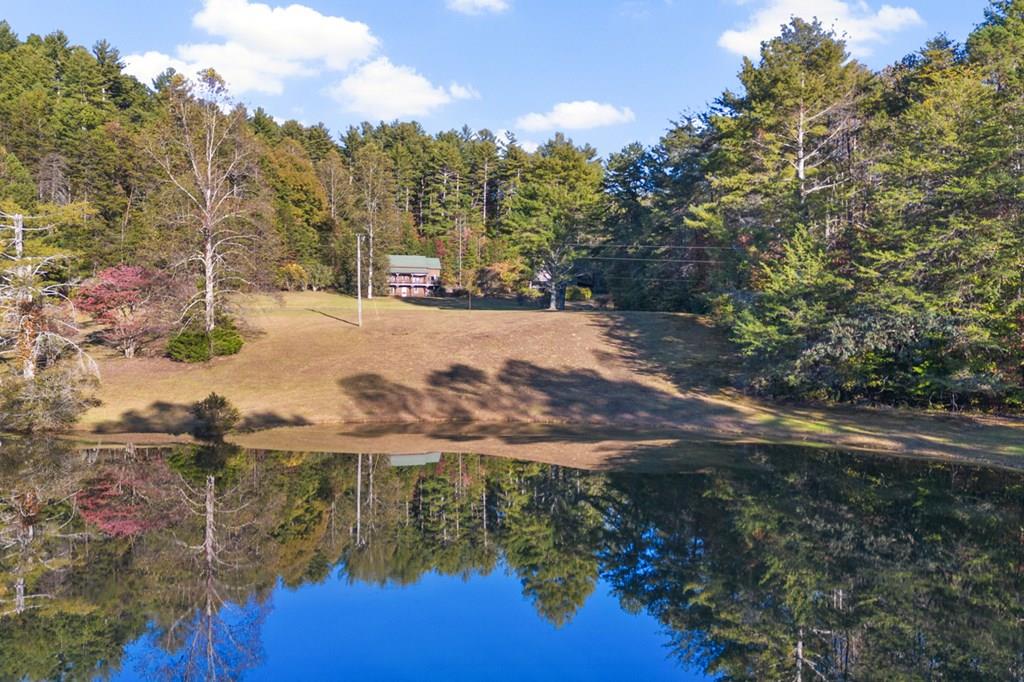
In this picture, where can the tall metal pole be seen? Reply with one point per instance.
(359, 278)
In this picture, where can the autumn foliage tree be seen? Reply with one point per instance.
(123, 299)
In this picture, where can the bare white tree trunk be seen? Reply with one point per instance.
(369, 273)
(801, 159)
(800, 657)
(19, 596)
(209, 285)
(209, 542)
(19, 236)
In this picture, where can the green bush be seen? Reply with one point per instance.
(189, 346)
(196, 346)
(214, 416)
(226, 341)
(575, 293)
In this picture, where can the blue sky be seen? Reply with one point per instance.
(606, 72)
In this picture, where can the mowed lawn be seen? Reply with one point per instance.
(306, 363)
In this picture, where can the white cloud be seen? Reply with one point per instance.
(463, 91)
(381, 90)
(149, 65)
(295, 32)
(853, 19)
(263, 45)
(244, 69)
(478, 6)
(579, 115)
(529, 146)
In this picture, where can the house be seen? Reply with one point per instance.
(413, 276)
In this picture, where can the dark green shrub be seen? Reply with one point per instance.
(214, 416)
(196, 346)
(226, 341)
(189, 346)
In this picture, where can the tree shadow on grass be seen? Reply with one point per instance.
(478, 303)
(522, 391)
(160, 417)
(270, 420)
(176, 419)
(684, 349)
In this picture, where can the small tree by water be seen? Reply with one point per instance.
(214, 416)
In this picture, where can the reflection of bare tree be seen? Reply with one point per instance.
(37, 544)
(217, 634)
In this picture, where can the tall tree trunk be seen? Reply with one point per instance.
(209, 544)
(19, 596)
(209, 283)
(369, 278)
(27, 342)
(19, 236)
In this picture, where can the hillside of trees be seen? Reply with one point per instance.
(858, 232)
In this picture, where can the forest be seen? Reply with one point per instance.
(857, 233)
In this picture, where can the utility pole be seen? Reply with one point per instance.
(359, 278)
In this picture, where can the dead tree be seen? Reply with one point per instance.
(375, 199)
(37, 318)
(214, 642)
(206, 156)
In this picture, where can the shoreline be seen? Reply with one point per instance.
(955, 438)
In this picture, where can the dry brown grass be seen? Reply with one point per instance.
(431, 365)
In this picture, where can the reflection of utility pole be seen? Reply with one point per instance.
(359, 278)
(359, 501)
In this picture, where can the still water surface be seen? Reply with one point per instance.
(199, 563)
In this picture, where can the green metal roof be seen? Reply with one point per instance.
(415, 460)
(414, 262)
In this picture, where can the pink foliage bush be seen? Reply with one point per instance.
(122, 299)
(130, 501)
(108, 507)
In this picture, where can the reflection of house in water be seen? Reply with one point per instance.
(415, 460)
(413, 276)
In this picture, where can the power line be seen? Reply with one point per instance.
(649, 279)
(649, 260)
(650, 246)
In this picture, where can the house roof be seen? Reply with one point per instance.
(415, 460)
(400, 263)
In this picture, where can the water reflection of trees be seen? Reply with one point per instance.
(828, 567)
(794, 565)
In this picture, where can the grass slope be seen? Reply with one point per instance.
(434, 363)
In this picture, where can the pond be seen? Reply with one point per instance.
(190, 562)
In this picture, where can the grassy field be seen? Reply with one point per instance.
(429, 366)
